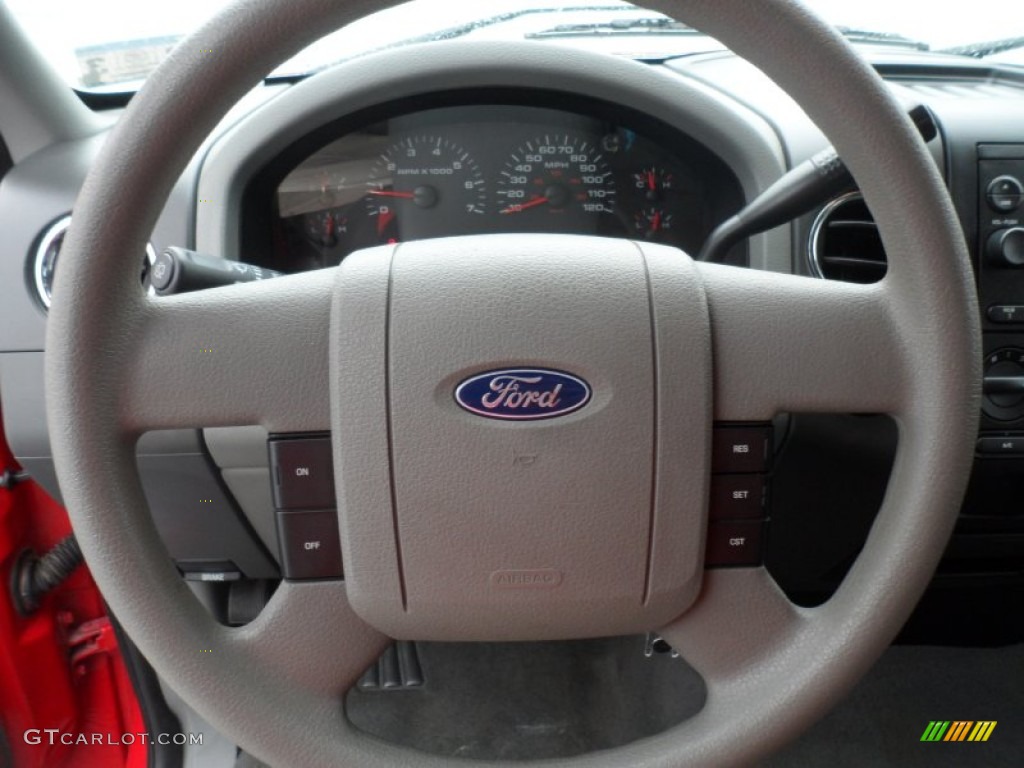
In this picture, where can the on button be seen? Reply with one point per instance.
(303, 473)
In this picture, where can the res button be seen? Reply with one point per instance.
(740, 449)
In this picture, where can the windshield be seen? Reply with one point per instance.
(112, 45)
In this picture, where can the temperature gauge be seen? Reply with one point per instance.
(653, 183)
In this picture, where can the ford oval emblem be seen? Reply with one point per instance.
(522, 394)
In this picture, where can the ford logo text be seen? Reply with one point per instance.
(522, 394)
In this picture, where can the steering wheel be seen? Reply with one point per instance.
(350, 346)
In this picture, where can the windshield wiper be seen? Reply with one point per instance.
(655, 25)
(981, 50)
(855, 35)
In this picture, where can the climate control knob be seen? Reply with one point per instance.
(1005, 247)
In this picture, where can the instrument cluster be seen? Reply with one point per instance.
(463, 170)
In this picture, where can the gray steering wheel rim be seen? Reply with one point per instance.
(286, 716)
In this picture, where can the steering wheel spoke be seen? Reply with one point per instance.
(254, 353)
(786, 343)
(741, 617)
(327, 660)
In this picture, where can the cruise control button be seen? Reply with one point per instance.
(303, 473)
(994, 446)
(737, 496)
(734, 542)
(310, 547)
(740, 449)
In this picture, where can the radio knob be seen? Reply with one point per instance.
(1005, 247)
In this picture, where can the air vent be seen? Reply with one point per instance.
(844, 243)
(45, 264)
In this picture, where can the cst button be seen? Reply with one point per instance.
(734, 543)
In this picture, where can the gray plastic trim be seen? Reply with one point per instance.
(251, 489)
(39, 108)
(196, 520)
(238, 447)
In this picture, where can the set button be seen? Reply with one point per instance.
(737, 496)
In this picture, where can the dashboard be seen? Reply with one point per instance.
(491, 168)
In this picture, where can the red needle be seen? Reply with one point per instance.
(386, 193)
(656, 222)
(523, 206)
(650, 180)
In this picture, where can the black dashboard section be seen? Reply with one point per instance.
(456, 168)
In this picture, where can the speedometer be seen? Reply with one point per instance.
(555, 175)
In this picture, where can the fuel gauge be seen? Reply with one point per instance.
(325, 228)
(652, 222)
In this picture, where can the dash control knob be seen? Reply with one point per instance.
(1003, 385)
(1005, 247)
(1004, 193)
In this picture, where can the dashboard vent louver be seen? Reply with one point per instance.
(844, 243)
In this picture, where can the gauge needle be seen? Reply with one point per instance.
(523, 206)
(387, 193)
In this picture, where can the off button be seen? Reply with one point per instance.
(310, 547)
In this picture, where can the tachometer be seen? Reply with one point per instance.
(553, 175)
(420, 184)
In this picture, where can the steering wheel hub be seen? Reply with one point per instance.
(457, 527)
